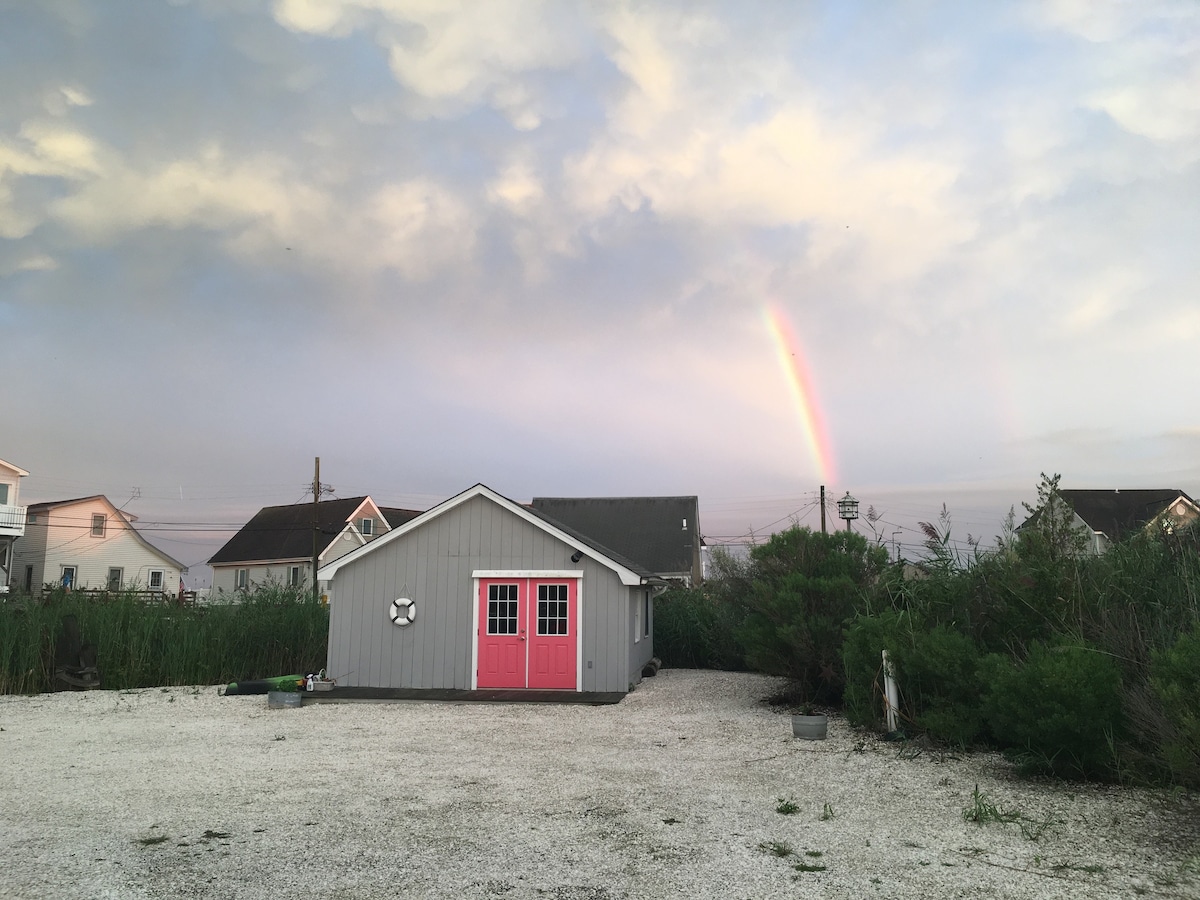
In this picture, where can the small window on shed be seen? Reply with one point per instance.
(502, 609)
(552, 609)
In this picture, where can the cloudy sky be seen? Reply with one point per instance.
(918, 251)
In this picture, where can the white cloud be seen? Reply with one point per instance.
(454, 55)
(38, 262)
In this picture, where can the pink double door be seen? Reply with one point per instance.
(528, 633)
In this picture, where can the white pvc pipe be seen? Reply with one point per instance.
(891, 700)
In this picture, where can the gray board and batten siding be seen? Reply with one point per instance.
(434, 560)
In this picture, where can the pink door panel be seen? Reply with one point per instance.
(552, 634)
(502, 644)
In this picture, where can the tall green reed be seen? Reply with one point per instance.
(270, 631)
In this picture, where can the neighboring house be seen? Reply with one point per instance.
(12, 519)
(90, 544)
(1107, 517)
(661, 534)
(482, 592)
(277, 544)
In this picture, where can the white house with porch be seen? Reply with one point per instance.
(12, 518)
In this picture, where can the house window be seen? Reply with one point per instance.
(155, 579)
(29, 578)
(31, 519)
(552, 609)
(98, 522)
(294, 576)
(3, 495)
(4, 556)
(368, 526)
(646, 614)
(68, 576)
(114, 579)
(241, 579)
(502, 609)
(637, 619)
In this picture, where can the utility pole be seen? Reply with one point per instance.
(316, 594)
(822, 509)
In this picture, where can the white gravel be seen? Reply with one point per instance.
(182, 792)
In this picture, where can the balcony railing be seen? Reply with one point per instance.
(12, 520)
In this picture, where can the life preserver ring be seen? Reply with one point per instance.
(403, 612)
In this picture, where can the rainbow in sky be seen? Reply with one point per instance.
(804, 394)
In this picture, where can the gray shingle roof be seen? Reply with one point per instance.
(651, 531)
(1119, 514)
(285, 532)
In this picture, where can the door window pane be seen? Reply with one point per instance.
(502, 609)
(552, 609)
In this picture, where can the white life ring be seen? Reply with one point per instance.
(403, 612)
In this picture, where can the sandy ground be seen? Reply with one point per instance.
(182, 792)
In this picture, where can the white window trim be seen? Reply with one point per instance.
(367, 526)
(162, 579)
(62, 573)
(108, 582)
(240, 584)
(637, 617)
(103, 525)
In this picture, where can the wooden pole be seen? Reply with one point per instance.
(316, 594)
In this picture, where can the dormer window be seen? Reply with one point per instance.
(368, 526)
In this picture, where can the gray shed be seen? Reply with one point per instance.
(483, 593)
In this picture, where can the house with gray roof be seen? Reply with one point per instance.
(1110, 516)
(277, 544)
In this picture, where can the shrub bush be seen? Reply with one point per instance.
(1175, 675)
(805, 588)
(695, 630)
(866, 638)
(938, 675)
(936, 672)
(1058, 711)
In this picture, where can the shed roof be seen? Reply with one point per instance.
(630, 571)
(659, 533)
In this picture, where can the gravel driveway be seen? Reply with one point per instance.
(673, 792)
